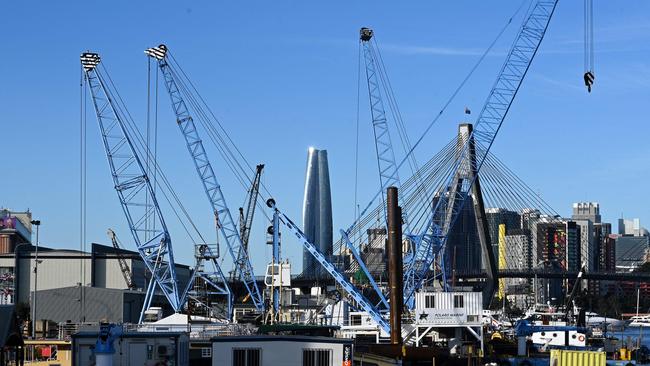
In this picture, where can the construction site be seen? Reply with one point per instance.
(452, 259)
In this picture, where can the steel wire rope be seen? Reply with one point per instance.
(435, 162)
(453, 95)
(215, 119)
(143, 150)
(217, 140)
(204, 119)
(83, 126)
(392, 104)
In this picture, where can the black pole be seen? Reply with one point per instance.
(395, 276)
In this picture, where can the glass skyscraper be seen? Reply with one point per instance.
(317, 211)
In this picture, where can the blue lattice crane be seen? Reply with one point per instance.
(388, 175)
(431, 241)
(133, 187)
(224, 221)
(340, 278)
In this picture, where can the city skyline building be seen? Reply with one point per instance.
(630, 252)
(317, 210)
(631, 227)
(463, 250)
(586, 211)
(587, 216)
(500, 216)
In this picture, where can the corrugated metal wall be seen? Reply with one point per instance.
(63, 304)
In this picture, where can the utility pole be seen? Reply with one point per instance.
(38, 225)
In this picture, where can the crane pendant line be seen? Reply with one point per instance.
(388, 175)
(132, 184)
(225, 223)
(340, 278)
(433, 238)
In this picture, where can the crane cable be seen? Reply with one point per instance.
(83, 132)
(139, 144)
(449, 100)
(589, 44)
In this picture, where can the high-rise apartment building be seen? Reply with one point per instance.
(587, 216)
(500, 216)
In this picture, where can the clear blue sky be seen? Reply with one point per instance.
(282, 76)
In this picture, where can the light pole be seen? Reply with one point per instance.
(38, 225)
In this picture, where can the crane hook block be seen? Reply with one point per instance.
(589, 80)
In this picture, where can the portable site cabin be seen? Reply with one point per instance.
(269, 350)
(135, 348)
(449, 315)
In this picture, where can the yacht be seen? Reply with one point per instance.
(640, 321)
(593, 320)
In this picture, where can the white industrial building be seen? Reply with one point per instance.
(76, 279)
(449, 316)
(281, 350)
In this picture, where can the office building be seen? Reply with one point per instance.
(630, 252)
(317, 211)
(586, 211)
(586, 214)
(631, 227)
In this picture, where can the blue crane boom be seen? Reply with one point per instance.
(388, 175)
(211, 185)
(330, 268)
(133, 188)
(432, 240)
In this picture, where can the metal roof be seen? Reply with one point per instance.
(275, 338)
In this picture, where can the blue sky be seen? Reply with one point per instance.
(282, 76)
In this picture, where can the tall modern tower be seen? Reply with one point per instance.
(317, 210)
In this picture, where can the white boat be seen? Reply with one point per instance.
(640, 321)
(593, 319)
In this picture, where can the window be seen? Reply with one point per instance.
(458, 301)
(355, 319)
(246, 357)
(430, 301)
(316, 357)
(206, 352)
